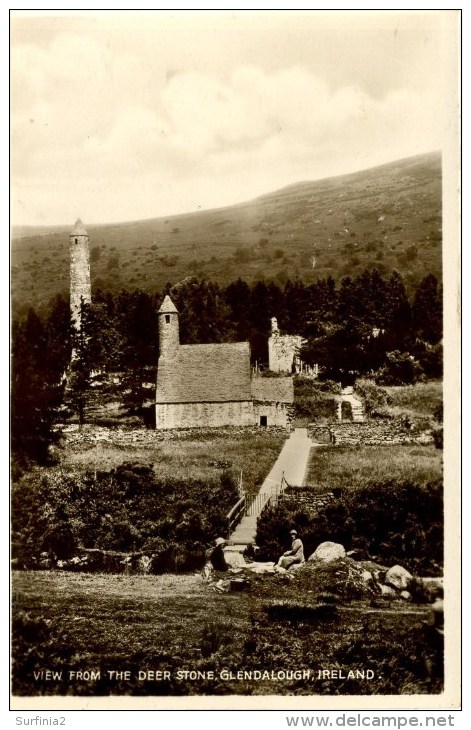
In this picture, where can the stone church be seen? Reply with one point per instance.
(212, 384)
(197, 385)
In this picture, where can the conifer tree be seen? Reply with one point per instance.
(36, 391)
(427, 310)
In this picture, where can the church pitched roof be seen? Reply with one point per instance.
(280, 390)
(213, 373)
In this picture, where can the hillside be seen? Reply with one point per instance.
(388, 217)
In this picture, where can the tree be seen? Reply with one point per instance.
(96, 349)
(59, 333)
(398, 322)
(237, 297)
(400, 368)
(203, 312)
(427, 310)
(36, 391)
(138, 324)
(296, 298)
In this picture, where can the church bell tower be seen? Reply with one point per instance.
(169, 335)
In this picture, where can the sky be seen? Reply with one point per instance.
(121, 116)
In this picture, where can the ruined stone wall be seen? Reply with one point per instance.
(90, 434)
(369, 433)
(282, 351)
(198, 415)
(320, 434)
(307, 497)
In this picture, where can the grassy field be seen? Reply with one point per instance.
(350, 466)
(196, 454)
(416, 400)
(68, 622)
(388, 217)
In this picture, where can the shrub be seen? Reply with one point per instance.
(397, 523)
(375, 399)
(314, 400)
(430, 358)
(423, 592)
(400, 367)
(59, 539)
(320, 386)
(125, 509)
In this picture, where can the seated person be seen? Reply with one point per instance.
(216, 556)
(293, 556)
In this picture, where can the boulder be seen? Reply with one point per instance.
(398, 577)
(366, 577)
(234, 559)
(387, 591)
(327, 552)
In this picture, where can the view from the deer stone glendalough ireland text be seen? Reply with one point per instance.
(227, 404)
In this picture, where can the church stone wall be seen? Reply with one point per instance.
(198, 415)
(276, 414)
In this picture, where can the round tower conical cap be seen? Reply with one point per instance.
(168, 307)
(78, 229)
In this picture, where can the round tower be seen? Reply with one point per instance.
(80, 286)
(169, 335)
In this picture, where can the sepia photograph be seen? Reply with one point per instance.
(234, 384)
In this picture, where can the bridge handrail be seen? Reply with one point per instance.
(233, 516)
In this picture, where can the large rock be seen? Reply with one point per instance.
(327, 552)
(366, 577)
(387, 591)
(398, 577)
(234, 559)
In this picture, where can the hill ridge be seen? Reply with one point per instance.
(388, 217)
(297, 185)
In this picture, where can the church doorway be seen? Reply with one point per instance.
(263, 421)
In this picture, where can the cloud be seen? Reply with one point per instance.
(90, 114)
